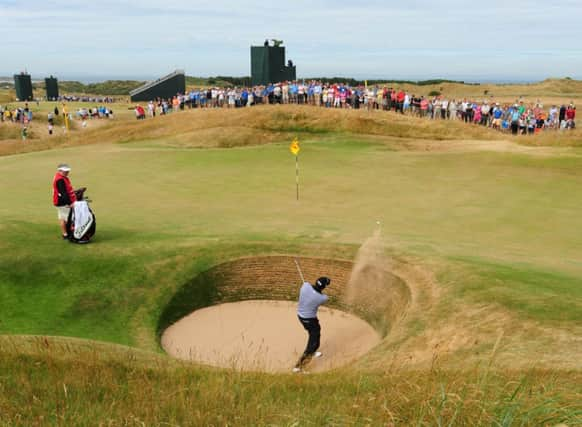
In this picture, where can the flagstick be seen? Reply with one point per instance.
(297, 174)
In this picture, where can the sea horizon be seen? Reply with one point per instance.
(91, 78)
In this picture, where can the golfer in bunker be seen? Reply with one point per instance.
(310, 298)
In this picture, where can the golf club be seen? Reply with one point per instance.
(299, 270)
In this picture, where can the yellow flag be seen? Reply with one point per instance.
(294, 147)
(66, 116)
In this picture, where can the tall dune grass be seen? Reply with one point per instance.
(44, 386)
(6, 95)
(548, 91)
(563, 138)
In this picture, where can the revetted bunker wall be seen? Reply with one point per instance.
(275, 278)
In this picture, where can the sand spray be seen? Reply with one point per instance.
(371, 287)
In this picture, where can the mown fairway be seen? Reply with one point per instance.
(496, 224)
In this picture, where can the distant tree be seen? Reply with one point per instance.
(235, 81)
(109, 87)
(434, 93)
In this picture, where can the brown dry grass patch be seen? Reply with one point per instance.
(263, 125)
(6, 96)
(228, 128)
(566, 138)
(549, 91)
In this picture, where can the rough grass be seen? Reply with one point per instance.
(6, 96)
(9, 132)
(569, 138)
(549, 91)
(130, 388)
(521, 288)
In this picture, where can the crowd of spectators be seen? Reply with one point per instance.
(100, 112)
(517, 117)
(22, 115)
(86, 98)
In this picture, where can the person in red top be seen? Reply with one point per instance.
(63, 196)
(570, 117)
(400, 101)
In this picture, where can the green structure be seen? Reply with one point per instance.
(268, 64)
(165, 87)
(52, 88)
(23, 86)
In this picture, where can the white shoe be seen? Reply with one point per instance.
(296, 370)
(317, 354)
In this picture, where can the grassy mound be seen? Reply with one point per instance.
(260, 126)
(247, 127)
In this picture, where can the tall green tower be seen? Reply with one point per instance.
(23, 86)
(268, 64)
(52, 88)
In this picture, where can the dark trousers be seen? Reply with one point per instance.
(314, 330)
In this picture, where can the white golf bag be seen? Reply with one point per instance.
(81, 223)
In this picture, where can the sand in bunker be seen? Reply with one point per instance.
(266, 336)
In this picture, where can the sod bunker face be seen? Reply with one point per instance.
(241, 314)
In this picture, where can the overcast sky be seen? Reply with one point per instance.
(512, 40)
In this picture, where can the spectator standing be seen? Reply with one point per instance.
(63, 196)
(562, 114)
(453, 110)
(570, 117)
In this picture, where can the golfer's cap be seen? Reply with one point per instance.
(64, 167)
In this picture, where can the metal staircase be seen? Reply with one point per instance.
(153, 83)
